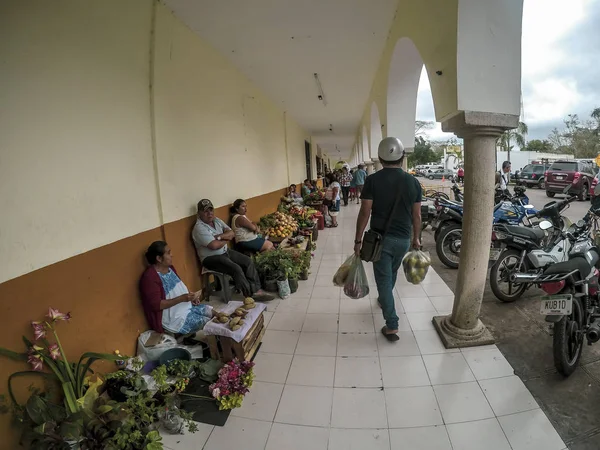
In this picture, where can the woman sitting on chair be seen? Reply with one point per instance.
(168, 305)
(246, 232)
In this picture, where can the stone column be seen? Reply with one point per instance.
(480, 132)
(369, 167)
(377, 164)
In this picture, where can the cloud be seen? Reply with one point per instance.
(560, 51)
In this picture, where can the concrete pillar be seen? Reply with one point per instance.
(369, 167)
(479, 131)
(407, 151)
(377, 164)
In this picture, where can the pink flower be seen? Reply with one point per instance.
(39, 330)
(54, 351)
(55, 314)
(36, 362)
(216, 392)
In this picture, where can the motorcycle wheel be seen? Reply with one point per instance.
(447, 246)
(568, 340)
(501, 271)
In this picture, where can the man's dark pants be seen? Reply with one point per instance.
(238, 266)
(345, 193)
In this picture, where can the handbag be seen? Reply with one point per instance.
(372, 244)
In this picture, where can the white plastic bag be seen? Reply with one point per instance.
(416, 264)
(166, 342)
(283, 288)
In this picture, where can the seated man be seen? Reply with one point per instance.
(211, 236)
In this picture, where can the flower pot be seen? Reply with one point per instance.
(271, 286)
(293, 285)
(304, 275)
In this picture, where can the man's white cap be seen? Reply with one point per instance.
(390, 149)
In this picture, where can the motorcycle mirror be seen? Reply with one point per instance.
(545, 225)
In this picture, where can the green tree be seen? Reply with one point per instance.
(579, 138)
(423, 125)
(515, 136)
(422, 154)
(536, 145)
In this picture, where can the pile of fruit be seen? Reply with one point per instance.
(235, 320)
(416, 264)
(278, 225)
(315, 197)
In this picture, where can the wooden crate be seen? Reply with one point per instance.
(226, 349)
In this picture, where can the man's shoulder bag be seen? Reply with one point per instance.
(372, 244)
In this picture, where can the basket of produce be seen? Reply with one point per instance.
(278, 226)
(314, 198)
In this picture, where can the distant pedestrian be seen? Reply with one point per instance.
(359, 179)
(345, 181)
(461, 175)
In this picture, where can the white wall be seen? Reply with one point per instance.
(489, 56)
(75, 156)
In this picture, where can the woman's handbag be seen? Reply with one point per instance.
(372, 244)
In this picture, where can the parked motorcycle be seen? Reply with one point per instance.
(572, 304)
(448, 225)
(528, 250)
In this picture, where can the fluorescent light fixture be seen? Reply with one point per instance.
(320, 88)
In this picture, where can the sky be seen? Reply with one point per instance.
(560, 70)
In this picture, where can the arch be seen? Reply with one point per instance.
(376, 135)
(403, 85)
(365, 155)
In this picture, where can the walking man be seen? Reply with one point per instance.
(359, 180)
(346, 179)
(391, 192)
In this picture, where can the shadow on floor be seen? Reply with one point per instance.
(572, 404)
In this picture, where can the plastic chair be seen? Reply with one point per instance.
(225, 292)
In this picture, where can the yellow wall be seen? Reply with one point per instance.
(75, 156)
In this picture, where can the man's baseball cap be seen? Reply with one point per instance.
(390, 149)
(204, 205)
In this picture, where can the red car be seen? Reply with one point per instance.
(593, 186)
(579, 174)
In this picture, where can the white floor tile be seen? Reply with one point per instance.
(406, 346)
(482, 434)
(410, 290)
(403, 324)
(358, 408)
(357, 345)
(273, 304)
(357, 372)
(443, 303)
(356, 323)
(188, 441)
(304, 291)
(488, 364)
(305, 405)
(320, 323)
(403, 371)
(436, 290)
(267, 316)
(286, 321)
(324, 281)
(417, 304)
(355, 306)
(294, 437)
(261, 402)
(312, 371)
(462, 402)
(424, 438)
(531, 430)
(359, 439)
(333, 257)
(329, 271)
(294, 305)
(446, 368)
(324, 306)
(239, 433)
(317, 344)
(412, 407)
(421, 321)
(430, 343)
(508, 395)
(280, 342)
(272, 367)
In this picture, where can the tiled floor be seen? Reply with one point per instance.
(326, 379)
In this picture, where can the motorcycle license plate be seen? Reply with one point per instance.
(556, 305)
(495, 254)
(435, 224)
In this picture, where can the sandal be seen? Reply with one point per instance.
(390, 337)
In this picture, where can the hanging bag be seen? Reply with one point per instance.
(372, 244)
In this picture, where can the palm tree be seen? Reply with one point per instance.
(516, 135)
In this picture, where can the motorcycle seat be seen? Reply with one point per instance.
(578, 263)
(535, 234)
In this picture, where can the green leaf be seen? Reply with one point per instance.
(104, 409)
(37, 410)
(15, 356)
